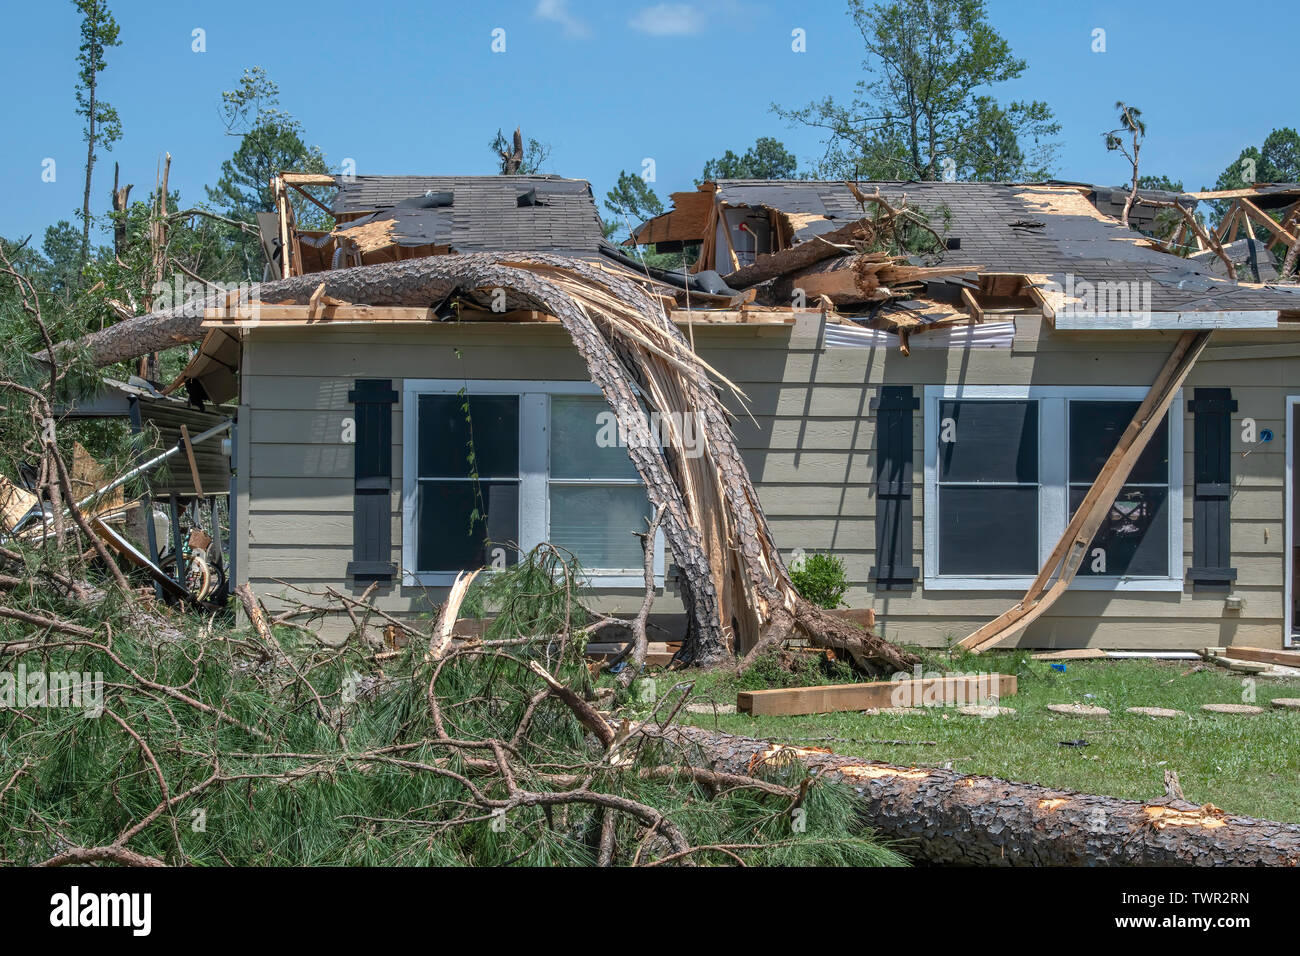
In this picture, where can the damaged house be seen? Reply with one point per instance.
(1010, 402)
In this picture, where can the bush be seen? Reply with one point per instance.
(820, 578)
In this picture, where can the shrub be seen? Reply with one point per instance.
(820, 578)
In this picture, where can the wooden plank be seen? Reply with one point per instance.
(1072, 654)
(1265, 220)
(194, 465)
(1263, 655)
(836, 698)
(308, 179)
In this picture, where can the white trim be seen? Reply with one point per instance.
(1088, 321)
(1288, 622)
(534, 472)
(1053, 488)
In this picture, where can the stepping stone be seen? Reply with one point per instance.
(1156, 712)
(1287, 703)
(988, 711)
(710, 709)
(1232, 709)
(1078, 710)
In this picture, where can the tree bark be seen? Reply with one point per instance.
(950, 818)
(734, 581)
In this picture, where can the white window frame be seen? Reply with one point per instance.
(534, 474)
(1053, 488)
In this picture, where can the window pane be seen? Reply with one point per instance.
(445, 435)
(596, 523)
(984, 531)
(585, 439)
(993, 441)
(445, 539)
(1095, 430)
(1134, 537)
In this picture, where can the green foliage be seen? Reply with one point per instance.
(921, 111)
(304, 754)
(821, 579)
(536, 153)
(270, 142)
(795, 669)
(99, 32)
(1276, 160)
(766, 159)
(632, 200)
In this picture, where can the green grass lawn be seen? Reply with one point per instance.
(1243, 764)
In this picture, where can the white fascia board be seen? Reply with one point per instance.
(1164, 321)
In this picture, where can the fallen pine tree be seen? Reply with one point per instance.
(736, 587)
(945, 817)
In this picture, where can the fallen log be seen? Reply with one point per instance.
(945, 817)
(735, 585)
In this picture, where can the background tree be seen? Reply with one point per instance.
(922, 111)
(766, 159)
(1132, 125)
(514, 157)
(270, 141)
(1276, 160)
(632, 201)
(99, 31)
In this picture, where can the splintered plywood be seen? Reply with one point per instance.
(370, 236)
(15, 502)
(687, 222)
(833, 698)
(1061, 201)
(87, 476)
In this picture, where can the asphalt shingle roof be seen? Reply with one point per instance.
(485, 212)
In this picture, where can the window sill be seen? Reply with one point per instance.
(612, 579)
(1078, 584)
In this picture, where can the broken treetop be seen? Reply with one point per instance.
(476, 213)
(1046, 230)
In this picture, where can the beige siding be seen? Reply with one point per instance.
(808, 439)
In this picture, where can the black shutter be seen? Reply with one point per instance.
(1212, 409)
(894, 570)
(371, 518)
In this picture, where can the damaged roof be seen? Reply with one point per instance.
(471, 213)
(1045, 231)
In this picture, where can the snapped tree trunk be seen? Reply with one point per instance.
(945, 817)
(734, 581)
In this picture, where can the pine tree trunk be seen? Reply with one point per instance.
(736, 587)
(945, 817)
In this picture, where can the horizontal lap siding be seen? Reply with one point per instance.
(808, 438)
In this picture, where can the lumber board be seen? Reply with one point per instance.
(1263, 655)
(835, 698)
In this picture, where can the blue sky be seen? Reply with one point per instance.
(414, 87)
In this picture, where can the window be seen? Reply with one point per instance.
(1006, 468)
(1134, 536)
(541, 469)
(465, 523)
(988, 483)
